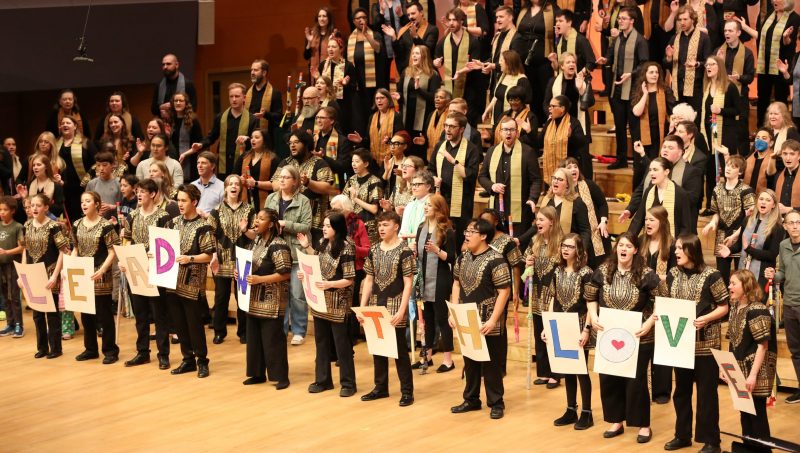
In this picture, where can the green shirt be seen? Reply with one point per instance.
(10, 237)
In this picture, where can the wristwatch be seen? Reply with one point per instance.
(191, 259)
(456, 162)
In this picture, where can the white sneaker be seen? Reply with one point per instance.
(297, 340)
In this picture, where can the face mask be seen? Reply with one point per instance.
(760, 145)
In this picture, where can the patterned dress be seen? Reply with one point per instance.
(196, 239)
(369, 189)
(748, 326)
(96, 241)
(568, 290)
(480, 277)
(542, 266)
(387, 269)
(337, 300)
(314, 169)
(730, 206)
(224, 222)
(43, 244)
(269, 300)
(707, 289)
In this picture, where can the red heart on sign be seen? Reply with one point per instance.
(618, 344)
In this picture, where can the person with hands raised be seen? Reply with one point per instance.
(317, 37)
(685, 54)
(652, 101)
(776, 42)
(365, 52)
(383, 124)
(417, 32)
(365, 191)
(347, 92)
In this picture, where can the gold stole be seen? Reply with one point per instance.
(555, 146)
(738, 63)
(457, 186)
(767, 64)
(506, 42)
(266, 164)
(586, 196)
(558, 88)
(662, 16)
(571, 38)
(76, 153)
(719, 100)
(668, 203)
(420, 29)
(549, 27)
(418, 120)
(688, 153)
(795, 187)
(78, 120)
(378, 132)
(472, 16)
(522, 115)
(627, 65)
(508, 81)
(369, 56)
(222, 147)
(456, 87)
(565, 219)
(567, 4)
(265, 103)
(691, 54)
(515, 165)
(644, 120)
(434, 131)
(331, 149)
(761, 184)
(336, 77)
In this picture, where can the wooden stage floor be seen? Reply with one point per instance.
(62, 404)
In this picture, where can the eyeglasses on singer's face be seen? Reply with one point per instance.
(396, 144)
(470, 232)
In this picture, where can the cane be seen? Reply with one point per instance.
(529, 291)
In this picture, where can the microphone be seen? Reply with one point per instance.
(529, 58)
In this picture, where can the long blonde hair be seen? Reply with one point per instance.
(554, 236)
(572, 189)
(425, 63)
(722, 79)
(167, 184)
(773, 218)
(56, 161)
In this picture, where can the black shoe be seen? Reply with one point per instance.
(163, 363)
(109, 359)
(406, 400)
(611, 434)
(185, 367)
(710, 448)
(706, 213)
(444, 368)
(540, 381)
(585, 422)
(661, 399)
(139, 359)
(677, 444)
(282, 385)
(174, 340)
(319, 388)
(86, 355)
(202, 370)
(54, 355)
(793, 398)
(465, 407)
(242, 340)
(618, 165)
(418, 365)
(569, 418)
(218, 339)
(347, 392)
(552, 385)
(496, 413)
(644, 439)
(374, 395)
(39, 354)
(255, 380)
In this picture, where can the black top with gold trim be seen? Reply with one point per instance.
(568, 291)
(708, 290)
(269, 300)
(748, 326)
(337, 300)
(196, 239)
(43, 244)
(96, 241)
(387, 269)
(224, 222)
(138, 231)
(480, 277)
(369, 189)
(542, 266)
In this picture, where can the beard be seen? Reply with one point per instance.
(309, 111)
(256, 80)
(170, 73)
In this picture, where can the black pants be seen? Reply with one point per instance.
(266, 349)
(628, 400)
(711, 175)
(222, 297)
(756, 425)
(724, 267)
(791, 322)
(402, 363)
(353, 326)
(571, 382)
(661, 378)
(492, 376)
(48, 329)
(623, 118)
(766, 83)
(539, 72)
(542, 360)
(10, 292)
(143, 309)
(326, 332)
(705, 374)
(435, 315)
(106, 319)
(186, 315)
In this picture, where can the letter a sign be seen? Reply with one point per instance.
(675, 332)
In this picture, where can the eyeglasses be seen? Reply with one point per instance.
(360, 18)
(508, 130)
(294, 142)
(567, 246)
(407, 166)
(323, 117)
(308, 99)
(451, 126)
(470, 231)
(285, 177)
(396, 144)
(792, 223)
(417, 184)
(552, 106)
(558, 179)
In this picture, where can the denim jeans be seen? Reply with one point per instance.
(297, 310)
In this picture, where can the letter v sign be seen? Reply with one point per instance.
(673, 340)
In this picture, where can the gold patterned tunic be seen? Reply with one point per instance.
(269, 300)
(97, 241)
(480, 277)
(387, 269)
(224, 222)
(369, 189)
(730, 206)
(337, 300)
(542, 266)
(314, 169)
(506, 246)
(621, 291)
(748, 326)
(138, 231)
(707, 289)
(196, 239)
(43, 244)
(568, 291)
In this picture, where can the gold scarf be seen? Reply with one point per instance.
(434, 131)
(522, 116)
(571, 39)
(644, 120)
(565, 218)
(627, 64)
(377, 133)
(336, 76)
(766, 62)
(738, 63)
(761, 183)
(668, 203)
(472, 16)
(558, 88)
(586, 196)
(244, 122)
(421, 29)
(662, 17)
(265, 103)
(549, 26)
(456, 87)
(691, 54)
(508, 81)
(688, 153)
(566, 4)
(457, 187)
(506, 42)
(719, 100)
(369, 55)
(555, 146)
(515, 166)
(263, 174)
(76, 153)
